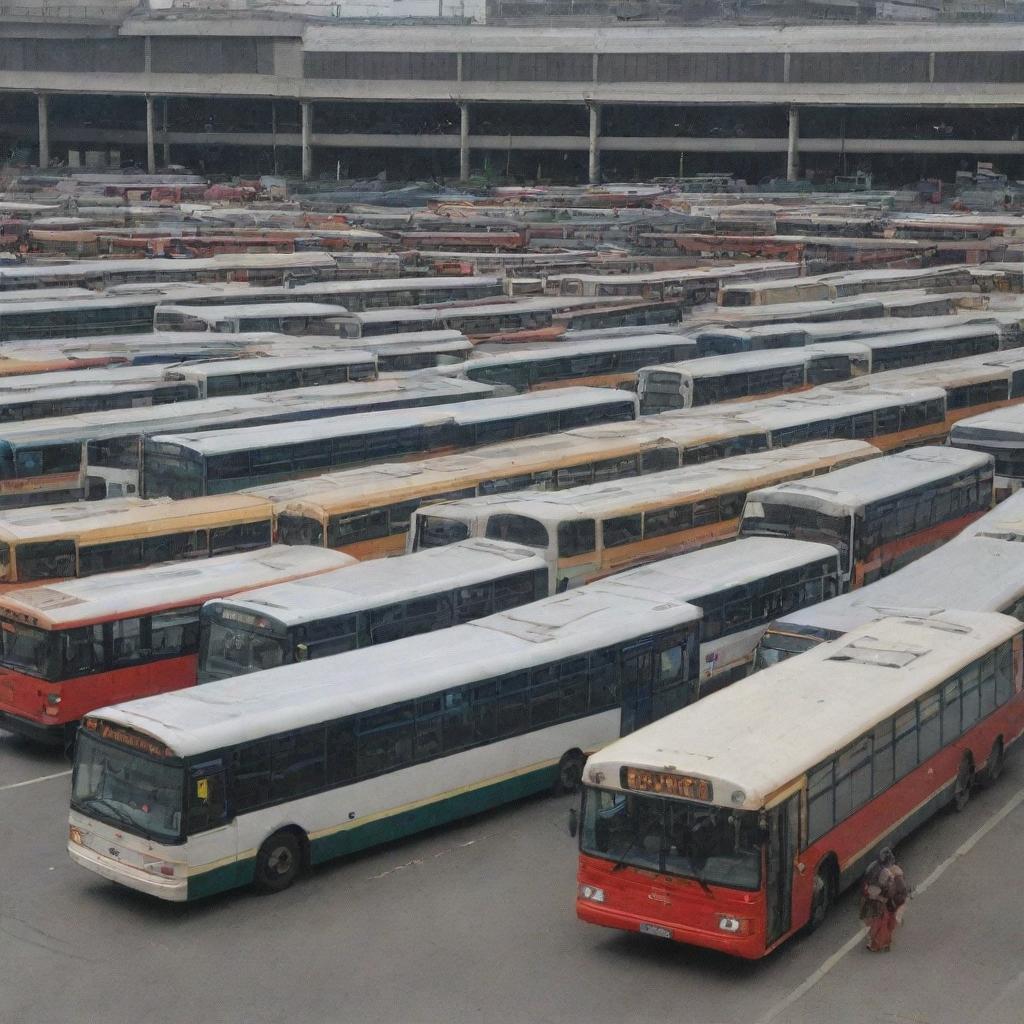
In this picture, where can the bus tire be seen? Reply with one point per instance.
(823, 894)
(964, 783)
(996, 762)
(278, 862)
(570, 772)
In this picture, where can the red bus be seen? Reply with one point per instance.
(68, 648)
(735, 822)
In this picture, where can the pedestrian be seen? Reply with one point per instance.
(883, 895)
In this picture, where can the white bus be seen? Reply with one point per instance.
(186, 794)
(279, 317)
(999, 433)
(385, 599)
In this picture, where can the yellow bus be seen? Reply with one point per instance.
(63, 541)
(586, 533)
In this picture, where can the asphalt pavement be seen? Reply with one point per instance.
(475, 923)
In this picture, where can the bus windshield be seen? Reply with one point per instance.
(769, 519)
(27, 649)
(436, 532)
(235, 649)
(713, 845)
(135, 793)
(776, 647)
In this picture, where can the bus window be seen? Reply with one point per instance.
(242, 537)
(44, 560)
(29, 649)
(622, 530)
(577, 537)
(517, 530)
(292, 529)
(435, 532)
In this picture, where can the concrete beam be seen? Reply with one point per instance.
(166, 134)
(793, 150)
(150, 136)
(307, 140)
(463, 142)
(44, 130)
(594, 145)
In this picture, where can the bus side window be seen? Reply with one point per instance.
(250, 770)
(576, 537)
(621, 530)
(40, 560)
(512, 712)
(84, 651)
(175, 632)
(820, 802)
(129, 641)
(604, 679)
(341, 752)
(474, 602)
(298, 764)
(243, 537)
(457, 723)
(207, 805)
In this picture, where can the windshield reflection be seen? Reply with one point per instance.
(123, 788)
(233, 650)
(713, 845)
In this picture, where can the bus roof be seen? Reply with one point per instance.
(384, 581)
(172, 584)
(760, 734)
(567, 349)
(1004, 522)
(735, 362)
(740, 472)
(975, 573)
(216, 442)
(132, 516)
(849, 489)
(694, 575)
(251, 310)
(264, 364)
(231, 711)
(1000, 428)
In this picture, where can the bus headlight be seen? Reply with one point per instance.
(591, 893)
(735, 925)
(75, 835)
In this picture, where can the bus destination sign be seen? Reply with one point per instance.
(128, 738)
(687, 787)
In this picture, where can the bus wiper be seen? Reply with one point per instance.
(118, 813)
(621, 863)
(699, 879)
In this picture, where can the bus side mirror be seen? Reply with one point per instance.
(574, 822)
(302, 652)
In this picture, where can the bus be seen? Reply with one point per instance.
(977, 573)
(248, 780)
(743, 375)
(50, 318)
(589, 532)
(381, 601)
(416, 350)
(608, 317)
(99, 454)
(1000, 434)
(61, 541)
(230, 459)
(256, 268)
(774, 794)
(69, 647)
(1004, 522)
(740, 587)
(274, 373)
(607, 363)
(880, 517)
(294, 318)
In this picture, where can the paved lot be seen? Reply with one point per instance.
(475, 923)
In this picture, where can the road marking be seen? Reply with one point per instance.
(29, 782)
(961, 851)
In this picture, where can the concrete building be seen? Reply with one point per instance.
(239, 91)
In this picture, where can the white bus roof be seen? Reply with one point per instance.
(1000, 428)
(252, 310)
(384, 581)
(231, 711)
(666, 487)
(736, 362)
(694, 575)
(849, 489)
(975, 574)
(172, 584)
(567, 349)
(263, 364)
(757, 736)
(216, 442)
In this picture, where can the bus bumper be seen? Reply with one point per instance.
(175, 889)
(748, 946)
(37, 732)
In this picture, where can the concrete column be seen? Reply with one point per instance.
(44, 130)
(307, 139)
(150, 136)
(463, 142)
(793, 153)
(594, 162)
(166, 134)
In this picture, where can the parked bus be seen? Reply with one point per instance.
(607, 317)
(740, 587)
(212, 462)
(50, 318)
(99, 454)
(1000, 434)
(274, 373)
(69, 647)
(1004, 522)
(588, 532)
(775, 793)
(417, 350)
(60, 541)
(293, 318)
(881, 517)
(383, 600)
(368, 746)
(978, 573)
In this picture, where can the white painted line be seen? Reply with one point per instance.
(961, 851)
(29, 782)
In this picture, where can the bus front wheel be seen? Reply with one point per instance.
(822, 895)
(278, 862)
(996, 761)
(963, 784)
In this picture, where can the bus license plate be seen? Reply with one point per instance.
(656, 930)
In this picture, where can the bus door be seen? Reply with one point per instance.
(209, 826)
(637, 687)
(782, 842)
